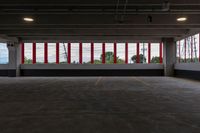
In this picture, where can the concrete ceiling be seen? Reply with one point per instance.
(98, 19)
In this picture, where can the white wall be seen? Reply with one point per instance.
(3, 66)
(188, 66)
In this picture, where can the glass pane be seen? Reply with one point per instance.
(63, 55)
(75, 53)
(109, 53)
(28, 51)
(120, 53)
(39, 53)
(3, 53)
(86, 53)
(52, 53)
(97, 53)
(155, 52)
(182, 51)
(143, 53)
(131, 52)
(196, 48)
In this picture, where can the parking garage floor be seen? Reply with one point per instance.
(99, 105)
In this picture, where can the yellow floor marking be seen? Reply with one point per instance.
(146, 84)
(98, 80)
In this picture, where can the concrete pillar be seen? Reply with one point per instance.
(169, 56)
(14, 59)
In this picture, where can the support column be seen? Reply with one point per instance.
(14, 52)
(169, 56)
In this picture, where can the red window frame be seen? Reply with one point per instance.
(92, 53)
(126, 53)
(103, 53)
(185, 45)
(22, 53)
(69, 53)
(34, 53)
(45, 52)
(179, 42)
(149, 53)
(57, 53)
(199, 47)
(161, 52)
(191, 48)
(115, 52)
(138, 53)
(80, 53)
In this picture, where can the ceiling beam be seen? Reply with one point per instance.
(88, 39)
(5, 39)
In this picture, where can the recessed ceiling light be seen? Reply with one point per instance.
(28, 19)
(181, 19)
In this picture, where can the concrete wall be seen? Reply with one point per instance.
(185, 70)
(92, 70)
(3, 66)
(92, 66)
(4, 69)
(188, 70)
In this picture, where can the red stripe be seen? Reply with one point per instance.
(103, 53)
(199, 47)
(92, 53)
(45, 52)
(185, 49)
(34, 53)
(22, 53)
(80, 53)
(57, 53)
(191, 49)
(126, 53)
(138, 53)
(161, 51)
(115, 53)
(149, 53)
(179, 51)
(69, 53)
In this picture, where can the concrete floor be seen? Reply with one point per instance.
(99, 105)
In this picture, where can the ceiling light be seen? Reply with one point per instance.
(28, 19)
(181, 19)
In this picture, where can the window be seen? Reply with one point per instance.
(131, 52)
(109, 55)
(74, 53)
(120, 53)
(39, 53)
(99, 53)
(28, 48)
(52, 53)
(187, 49)
(155, 53)
(143, 53)
(86, 53)
(3, 53)
(63, 53)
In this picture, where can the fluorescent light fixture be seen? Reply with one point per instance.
(28, 19)
(181, 19)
